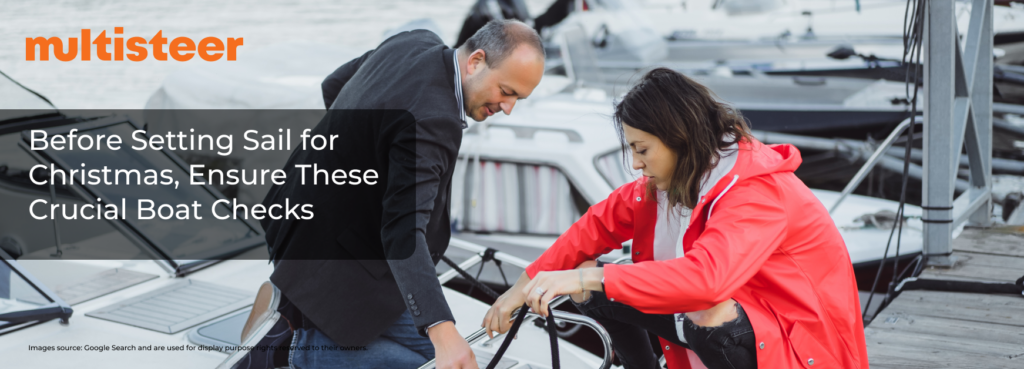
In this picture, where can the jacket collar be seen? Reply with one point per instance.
(451, 66)
(753, 159)
(447, 55)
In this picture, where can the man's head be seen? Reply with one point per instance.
(500, 64)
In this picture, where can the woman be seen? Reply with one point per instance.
(733, 256)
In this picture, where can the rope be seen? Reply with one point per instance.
(477, 278)
(488, 255)
(913, 37)
(552, 334)
(475, 282)
(468, 277)
(29, 90)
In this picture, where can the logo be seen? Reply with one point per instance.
(134, 48)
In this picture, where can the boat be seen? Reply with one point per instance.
(743, 38)
(523, 179)
(169, 293)
(756, 31)
(560, 148)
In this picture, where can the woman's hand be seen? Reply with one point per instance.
(545, 286)
(499, 316)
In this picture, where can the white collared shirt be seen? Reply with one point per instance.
(671, 225)
(462, 115)
(458, 86)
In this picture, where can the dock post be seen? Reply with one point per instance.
(957, 114)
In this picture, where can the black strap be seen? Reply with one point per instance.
(508, 337)
(472, 281)
(1016, 288)
(552, 331)
(489, 256)
(552, 334)
(940, 221)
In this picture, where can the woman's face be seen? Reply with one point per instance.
(651, 156)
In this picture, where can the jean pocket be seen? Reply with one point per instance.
(729, 334)
(713, 345)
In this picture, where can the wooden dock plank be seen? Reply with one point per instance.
(899, 350)
(997, 309)
(911, 359)
(996, 242)
(945, 327)
(933, 329)
(980, 267)
(913, 341)
(940, 347)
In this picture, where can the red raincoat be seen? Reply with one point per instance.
(760, 237)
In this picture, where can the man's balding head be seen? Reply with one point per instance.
(500, 64)
(499, 38)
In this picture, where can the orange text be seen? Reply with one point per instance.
(134, 48)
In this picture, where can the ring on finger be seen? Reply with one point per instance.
(539, 291)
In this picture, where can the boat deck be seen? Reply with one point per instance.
(929, 329)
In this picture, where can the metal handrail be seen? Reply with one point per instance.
(527, 132)
(873, 160)
(452, 273)
(606, 339)
(479, 334)
(474, 248)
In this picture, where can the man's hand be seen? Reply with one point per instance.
(450, 349)
(499, 316)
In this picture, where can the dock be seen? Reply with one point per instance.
(931, 329)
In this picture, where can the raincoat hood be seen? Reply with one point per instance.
(754, 159)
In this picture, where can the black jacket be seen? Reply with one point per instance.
(369, 252)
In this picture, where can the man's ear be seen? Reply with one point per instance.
(476, 61)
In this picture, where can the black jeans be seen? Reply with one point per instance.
(729, 346)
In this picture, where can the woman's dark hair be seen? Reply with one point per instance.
(688, 119)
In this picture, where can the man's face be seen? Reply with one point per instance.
(490, 90)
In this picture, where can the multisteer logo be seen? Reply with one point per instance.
(134, 48)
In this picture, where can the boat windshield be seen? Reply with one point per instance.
(18, 102)
(24, 301)
(612, 4)
(179, 242)
(615, 169)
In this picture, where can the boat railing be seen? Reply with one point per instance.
(560, 316)
(879, 154)
(526, 132)
(873, 160)
(578, 57)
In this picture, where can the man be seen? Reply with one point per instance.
(361, 272)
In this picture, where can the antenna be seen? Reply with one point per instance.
(809, 35)
(29, 90)
(56, 229)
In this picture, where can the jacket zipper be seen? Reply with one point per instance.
(735, 177)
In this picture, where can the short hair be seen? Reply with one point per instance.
(499, 37)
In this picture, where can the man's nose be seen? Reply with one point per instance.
(506, 106)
